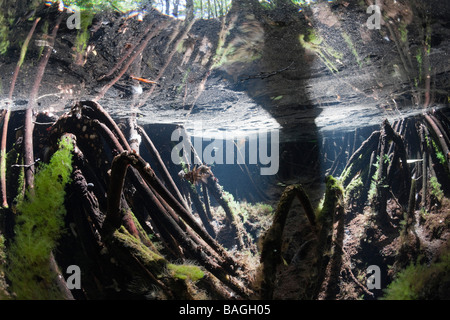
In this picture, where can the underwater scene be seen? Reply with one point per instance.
(232, 150)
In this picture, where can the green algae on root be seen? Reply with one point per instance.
(38, 227)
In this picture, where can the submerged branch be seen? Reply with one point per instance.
(8, 114)
(29, 125)
(162, 167)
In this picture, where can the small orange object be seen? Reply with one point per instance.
(143, 80)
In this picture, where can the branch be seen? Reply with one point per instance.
(147, 173)
(359, 157)
(8, 113)
(439, 135)
(162, 167)
(200, 209)
(103, 116)
(29, 126)
(271, 247)
(137, 52)
(114, 217)
(169, 60)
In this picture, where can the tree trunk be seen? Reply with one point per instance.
(189, 11)
(168, 7)
(176, 3)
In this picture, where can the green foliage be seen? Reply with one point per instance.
(186, 271)
(421, 282)
(300, 2)
(155, 261)
(4, 34)
(223, 54)
(138, 249)
(428, 31)
(351, 46)
(403, 32)
(2, 250)
(83, 34)
(436, 189)
(236, 52)
(259, 214)
(386, 159)
(313, 41)
(345, 174)
(20, 186)
(440, 156)
(245, 210)
(234, 205)
(319, 208)
(44, 30)
(277, 98)
(419, 58)
(202, 9)
(3, 284)
(8, 19)
(263, 209)
(354, 188)
(183, 81)
(313, 37)
(211, 9)
(437, 150)
(332, 193)
(38, 226)
(424, 214)
(15, 176)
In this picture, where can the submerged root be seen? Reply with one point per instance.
(127, 222)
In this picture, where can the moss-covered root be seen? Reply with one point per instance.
(326, 217)
(383, 179)
(201, 210)
(174, 281)
(271, 246)
(136, 258)
(360, 158)
(217, 191)
(38, 227)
